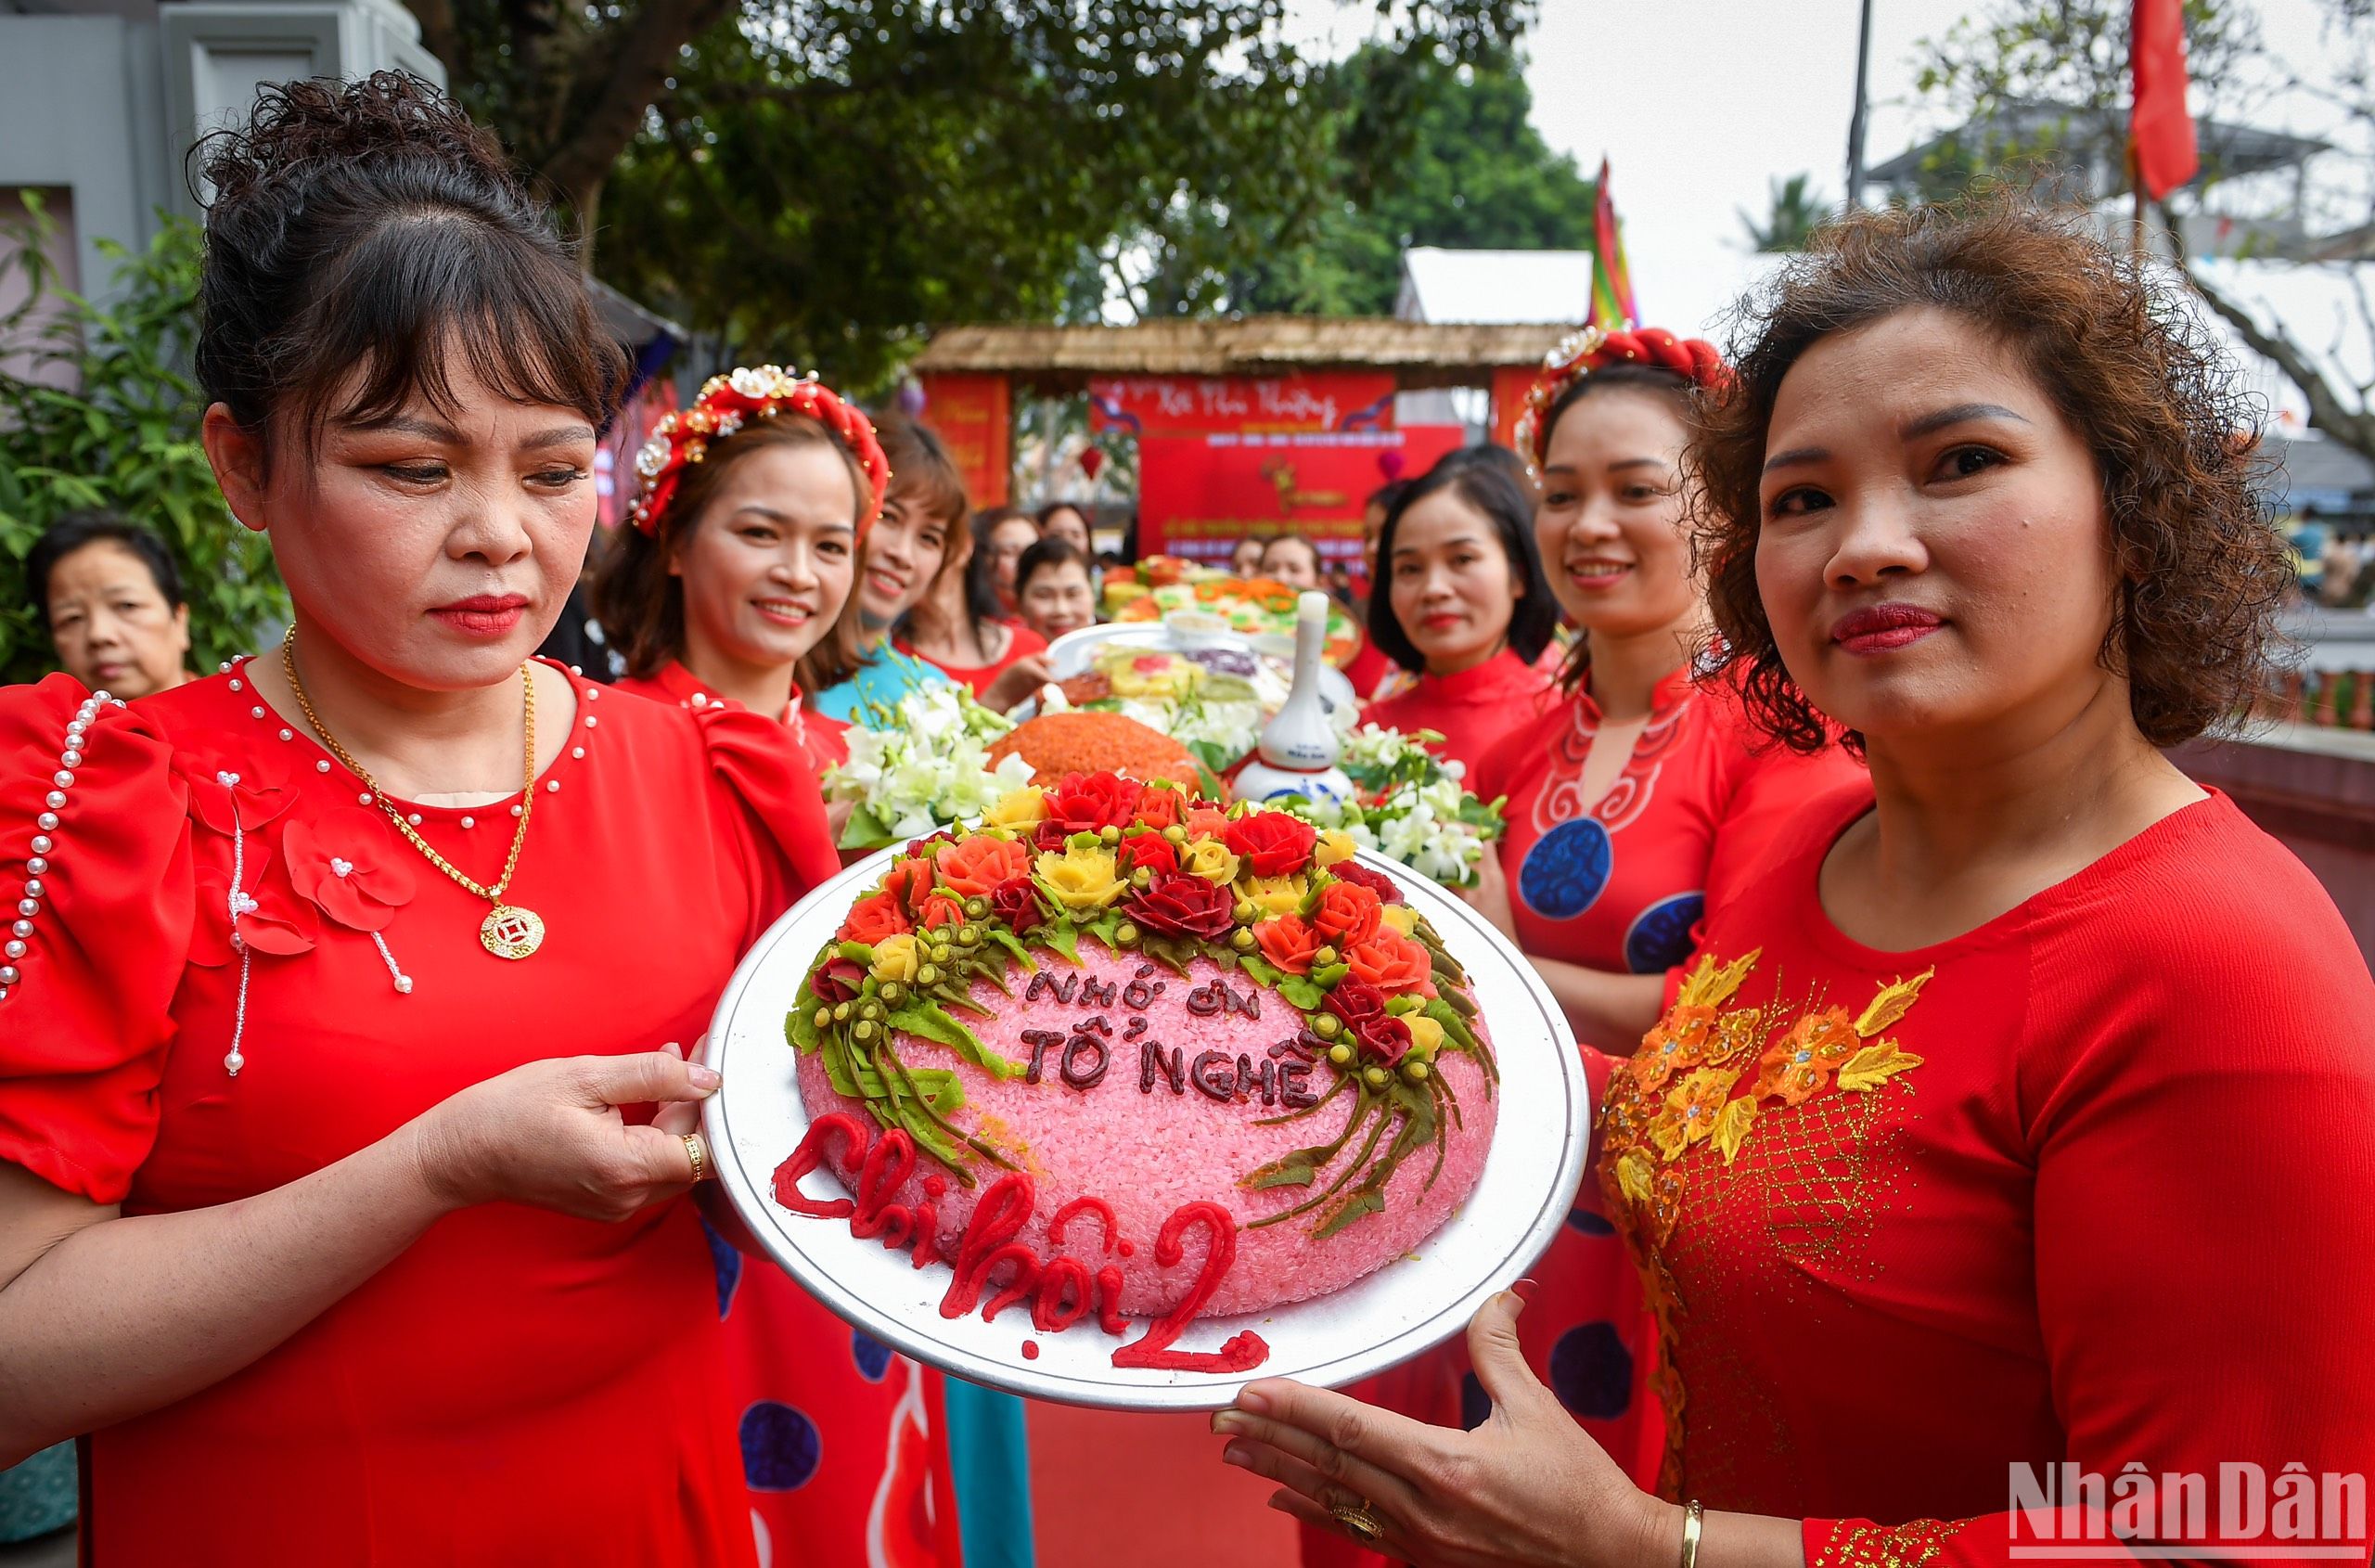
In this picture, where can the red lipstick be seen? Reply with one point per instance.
(1883, 628)
(483, 615)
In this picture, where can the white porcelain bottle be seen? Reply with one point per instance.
(1299, 746)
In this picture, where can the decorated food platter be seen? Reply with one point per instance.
(1128, 1308)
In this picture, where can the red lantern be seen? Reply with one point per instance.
(1092, 459)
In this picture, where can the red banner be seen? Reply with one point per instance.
(1174, 405)
(1198, 496)
(973, 415)
(1510, 383)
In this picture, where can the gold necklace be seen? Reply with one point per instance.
(509, 930)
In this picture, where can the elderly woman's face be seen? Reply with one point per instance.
(1932, 554)
(113, 630)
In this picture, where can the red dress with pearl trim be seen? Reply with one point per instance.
(881, 1493)
(203, 880)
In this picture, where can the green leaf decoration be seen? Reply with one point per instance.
(928, 1021)
(865, 830)
(1327, 979)
(1302, 993)
(1060, 935)
(856, 953)
(1013, 944)
(1258, 968)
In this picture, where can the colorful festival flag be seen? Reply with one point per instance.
(1612, 304)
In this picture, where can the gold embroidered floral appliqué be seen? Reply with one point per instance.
(1684, 1090)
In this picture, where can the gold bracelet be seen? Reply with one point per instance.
(1692, 1520)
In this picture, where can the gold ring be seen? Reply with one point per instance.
(698, 1155)
(1359, 1522)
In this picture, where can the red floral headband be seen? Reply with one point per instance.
(725, 404)
(1597, 348)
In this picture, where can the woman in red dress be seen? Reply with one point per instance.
(737, 564)
(1464, 606)
(1625, 806)
(2000, 1172)
(333, 1202)
(960, 624)
(758, 554)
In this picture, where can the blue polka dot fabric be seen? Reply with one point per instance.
(780, 1447)
(1588, 1223)
(1660, 935)
(726, 1263)
(1566, 870)
(873, 1359)
(1591, 1372)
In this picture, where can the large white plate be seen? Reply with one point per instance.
(1528, 1185)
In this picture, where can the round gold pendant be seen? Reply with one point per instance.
(510, 931)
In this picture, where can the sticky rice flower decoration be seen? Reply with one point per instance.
(1079, 879)
(727, 402)
(1597, 348)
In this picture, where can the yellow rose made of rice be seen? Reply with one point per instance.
(1274, 895)
(1426, 1036)
(895, 958)
(1080, 880)
(1334, 845)
(1025, 807)
(1210, 859)
(1401, 917)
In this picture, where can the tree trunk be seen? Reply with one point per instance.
(585, 201)
(2328, 412)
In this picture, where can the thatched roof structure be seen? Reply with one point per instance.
(1066, 358)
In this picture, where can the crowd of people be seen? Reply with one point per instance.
(352, 1203)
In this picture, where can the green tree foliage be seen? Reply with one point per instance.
(121, 434)
(1410, 146)
(1796, 213)
(818, 180)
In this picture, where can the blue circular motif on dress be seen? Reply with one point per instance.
(873, 1361)
(1592, 1372)
(726, 1263)
(1566, 869)
(1660, 935)
(1475, 1405)
(780, 1447)
(1590, 1224)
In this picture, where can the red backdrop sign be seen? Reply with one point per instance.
(1198, 496)
(971, 415)
(1172, 405)
(1510, 383)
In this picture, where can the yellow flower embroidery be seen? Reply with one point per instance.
(1675, 1044)
(1796, 1067)
(1691, 1108)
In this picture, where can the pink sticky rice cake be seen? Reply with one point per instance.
(1117, 1054)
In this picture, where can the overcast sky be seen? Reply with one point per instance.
(1699, 105)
